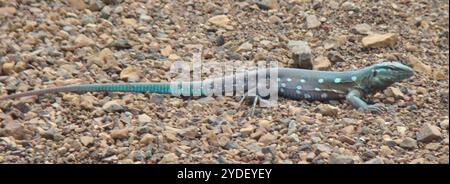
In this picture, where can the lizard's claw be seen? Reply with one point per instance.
(378, 108)
(242, 100)
(255, 100)
(245, 96)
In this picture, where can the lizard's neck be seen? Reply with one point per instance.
(367, 83)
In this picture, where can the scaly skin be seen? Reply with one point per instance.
(292, 83)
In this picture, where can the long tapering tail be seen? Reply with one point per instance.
(163, 88)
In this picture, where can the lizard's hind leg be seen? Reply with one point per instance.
(255, 98)
(246, 95)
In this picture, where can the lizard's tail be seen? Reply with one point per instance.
(37, 92)
(163, 88)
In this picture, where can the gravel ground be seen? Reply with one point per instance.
(46, 44)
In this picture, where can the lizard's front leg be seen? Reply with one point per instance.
(354, 98)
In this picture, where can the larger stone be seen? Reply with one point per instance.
(245, 47)
(312, 21)
(247, 130)
(349, 6)
(408, 143)
(375, 161)
(119, 134)
(106, 55)
(14, 129)
(437, 74)
(221, 21)
(166, 51)
(169, 158)
(301, 54)
(130, 74)
(301, 2)
(147, 139)
(444, 124)
(122, 44)
(7, 10)
(96, 5)
(394, 92)
(170, 135)
(156, 98)
(82, 41)
(323, 148)
(347, 139)
(129, 21)
(348, 130)
(144, 118)
(340, 159)
(267, 139)
(379, 40)
(265, 123)
(112, 106)
(419, 66)
(321, 63)
(428, 133)
(86, 140)
(8, 67)
(78, 4)
(328, 110)
(268, 4)
(190, 132)
(363, 29)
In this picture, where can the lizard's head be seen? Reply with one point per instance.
(384, 74)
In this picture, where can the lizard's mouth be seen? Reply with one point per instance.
(403, 73)
(407, 73)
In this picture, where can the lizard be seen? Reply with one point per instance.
(292, 83)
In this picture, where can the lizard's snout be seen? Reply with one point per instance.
(409, 72)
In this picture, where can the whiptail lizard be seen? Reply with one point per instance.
(292, 83)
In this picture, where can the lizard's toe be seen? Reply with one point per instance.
(377, 108)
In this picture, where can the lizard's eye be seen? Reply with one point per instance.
(375, 73)
(390, 68)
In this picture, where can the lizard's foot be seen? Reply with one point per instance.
(247, 95)
(255, 100)
(242, 100)
(378, 108)
(255, 97)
